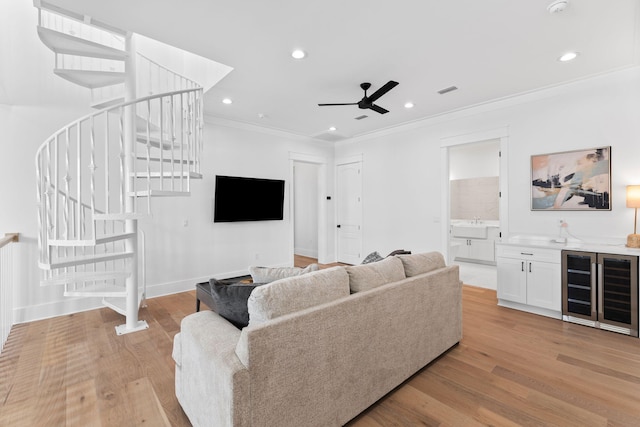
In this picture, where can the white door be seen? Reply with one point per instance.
(349, 213)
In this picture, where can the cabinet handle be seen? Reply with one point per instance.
(529, 267)
(522, 266)
(524, 253)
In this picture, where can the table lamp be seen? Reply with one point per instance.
(633, 201)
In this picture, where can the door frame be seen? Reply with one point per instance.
(357, 158)
(321, 162)
(502, 134)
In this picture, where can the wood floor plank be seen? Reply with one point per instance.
(82, 405)
(144, 404)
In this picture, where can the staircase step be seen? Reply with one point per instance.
(85, 259)
(192, 175)
(84, 276)
(106, 103)
(72, 45)
(119, 305)
(91, 242)
(118, 216)
(97, 291)
(154, 141)
(159, 193)
(90, 78)
(165, 160)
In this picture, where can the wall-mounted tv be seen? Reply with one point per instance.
(247, 199)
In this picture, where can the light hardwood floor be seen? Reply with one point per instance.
(511, 368)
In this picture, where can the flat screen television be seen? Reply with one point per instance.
(247, 199)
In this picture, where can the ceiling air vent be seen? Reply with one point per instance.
(364, 116)
(447, 89)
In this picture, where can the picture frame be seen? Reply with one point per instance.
(578, 180)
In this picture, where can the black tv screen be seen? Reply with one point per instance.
(248, 199)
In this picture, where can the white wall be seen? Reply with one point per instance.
(306, 209)
(474, 160)
(401, 170)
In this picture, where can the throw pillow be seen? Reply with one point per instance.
(231, 301)
(372, 257)
(270, 274)
(422, 263)
(297, 293)
(370, 276)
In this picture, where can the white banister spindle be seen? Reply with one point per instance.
(56, 183)
(161, 136)
(67, 179)
(92, 182)
(79, 181)
(106, 163)
(172, 136)
(148, 152)
(122, 158)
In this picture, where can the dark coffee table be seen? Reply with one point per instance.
(203, 291)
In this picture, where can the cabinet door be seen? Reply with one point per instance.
(512, 280)
(462, 248)
(483, 250)
(544, 286)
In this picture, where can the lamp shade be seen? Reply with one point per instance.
(633, 196)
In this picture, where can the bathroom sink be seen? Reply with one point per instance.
(474, 231)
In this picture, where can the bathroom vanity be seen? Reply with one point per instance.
(475, 241)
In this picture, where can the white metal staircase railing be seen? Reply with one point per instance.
(6, 285)
(96, 176)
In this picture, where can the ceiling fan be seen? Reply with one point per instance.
(368, 101)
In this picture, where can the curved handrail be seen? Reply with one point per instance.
(8, 238)
(113, 108)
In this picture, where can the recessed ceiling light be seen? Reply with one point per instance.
(408, 105)
(227, 101)
(298, 54)
(569, 56)
(332, 128)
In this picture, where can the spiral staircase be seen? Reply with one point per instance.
(97, 175)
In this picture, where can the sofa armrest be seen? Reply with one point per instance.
(212, 384)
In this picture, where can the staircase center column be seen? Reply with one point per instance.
(131, 225)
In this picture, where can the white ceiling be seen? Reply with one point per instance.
(489, 49)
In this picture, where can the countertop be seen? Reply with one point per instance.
(547, 242)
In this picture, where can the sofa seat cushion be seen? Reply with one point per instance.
(271, 274)
(416, 264)
(231, 301)
(293, 294)
(369, 276)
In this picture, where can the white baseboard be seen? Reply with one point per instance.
(311, 253)
(71, 305)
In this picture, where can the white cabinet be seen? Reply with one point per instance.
(477, 249)
(530, 279)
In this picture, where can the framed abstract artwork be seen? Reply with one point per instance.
(577, 180)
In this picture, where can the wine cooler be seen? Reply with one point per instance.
(600, 290)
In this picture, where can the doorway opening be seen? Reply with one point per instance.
(307, 207)
(474, 189)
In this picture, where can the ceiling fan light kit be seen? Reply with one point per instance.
(367, 102)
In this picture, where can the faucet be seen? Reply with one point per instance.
(476, 219)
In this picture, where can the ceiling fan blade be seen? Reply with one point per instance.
(378, 109)
(350, 103)
(384, 89)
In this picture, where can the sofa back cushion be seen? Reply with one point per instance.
(416, 264)
(369, 276)
(293, 294)
(271, 274)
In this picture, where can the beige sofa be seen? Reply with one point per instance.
(320, 348)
